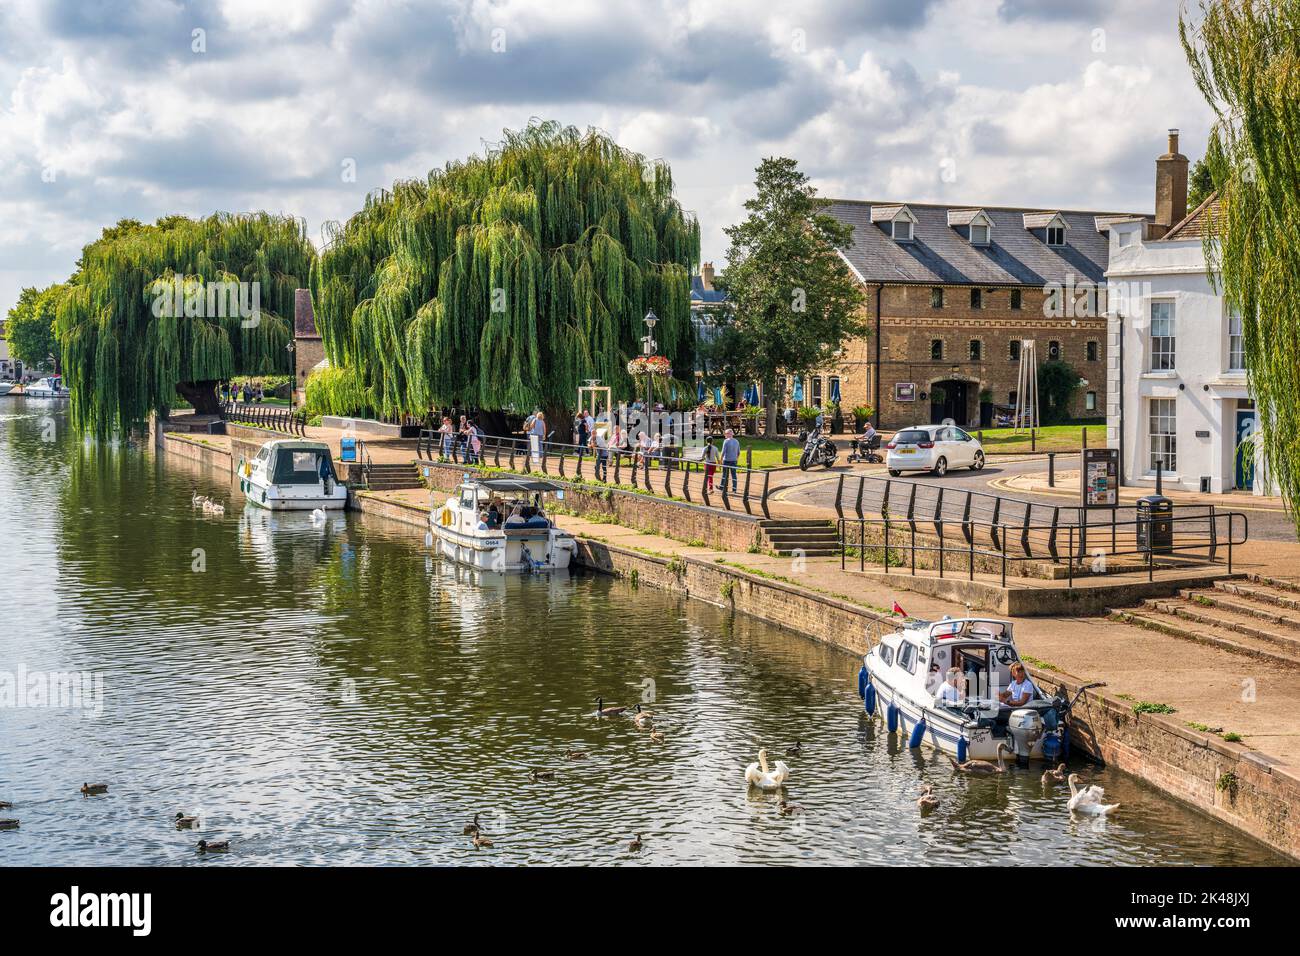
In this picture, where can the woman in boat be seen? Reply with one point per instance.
(1021, 690)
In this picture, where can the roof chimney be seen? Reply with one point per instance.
(1171, 186)
(706, 276)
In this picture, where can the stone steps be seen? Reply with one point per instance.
(1281, 584)
(810, 537)
(1208, 634)
(1249, 602)
(390, 476)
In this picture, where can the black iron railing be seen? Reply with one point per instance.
(274, 417)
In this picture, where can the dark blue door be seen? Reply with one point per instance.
(1245, 454)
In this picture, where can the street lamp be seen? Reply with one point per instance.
(291, 348)
(648, 346)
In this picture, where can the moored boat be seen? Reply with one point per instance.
(500, 524)
(292, 474)
(49, 387)
(904, 675)
(6, 388)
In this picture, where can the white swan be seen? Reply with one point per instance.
(218, 508)
(207, 506)
(318, 517)
(1088, 801)
(196, 500)
(758, 774)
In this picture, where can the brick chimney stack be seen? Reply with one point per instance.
(1171, 186)
(706, 273)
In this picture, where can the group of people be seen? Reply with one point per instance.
(1019, 692)
(246, 393)
(518, 514)
(463, 442)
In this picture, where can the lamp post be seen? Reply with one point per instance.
(648, 346)
(291, 348)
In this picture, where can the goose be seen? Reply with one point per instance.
(635, 844)
(184, 822)
(318, 516)
(93, 789)
(481, 840)
(927, 801)
(1088, 801)
(603, 711)
(657, 736)
(1054, 776)
(788, 809)
(575, 754)
(542, 774)
(214, 846)
(980, 767)
(471, 827)
(758, 774)
(796, 750)
(8, 823)
(642, 718)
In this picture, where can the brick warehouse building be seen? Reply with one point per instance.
(951, 292)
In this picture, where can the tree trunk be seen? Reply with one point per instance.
(769, 409)
(201, 395)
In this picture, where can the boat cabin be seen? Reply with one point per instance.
(981, 649)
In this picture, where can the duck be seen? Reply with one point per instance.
(1088, 801)
(759, 775)
(8, 823)
(93, 789)
(481, 840)
(657, 736)
(6, 805)
(796, 750)
(575, 754)
(318, 516)
(643, 718)
(980, 767)
(184, 822)
(789, 809)
(603, 711)
(542, 774)
(635, 844)
(472, 827)
(927, 801)
(213, 846)
(1054, 776)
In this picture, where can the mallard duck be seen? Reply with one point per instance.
(93, 789)
(472, 827)
(796, 750)
(603, 711)
(1088, 801)
(8, 823)
(542, 774)
(759, 775)
(481, 840)
(5, 805)
(575, 754)
(980, 767)
(642, 718)
(789, 809)
(657, 736)
(184, 822)
(927, 801)
(1054, 776)
(635, 844)
(213, 846)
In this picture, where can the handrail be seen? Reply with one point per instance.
(275, 418)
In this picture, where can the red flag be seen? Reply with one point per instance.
(899, 610)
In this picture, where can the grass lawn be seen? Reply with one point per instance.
(1050, 438)
(767, 453)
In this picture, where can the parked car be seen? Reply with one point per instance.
(934, 448)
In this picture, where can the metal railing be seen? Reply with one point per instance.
(275, 417)
(1009, 543)
(668, 471)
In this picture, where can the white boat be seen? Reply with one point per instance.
(500, 524)
(905, 670)
(50, 387)
(6, 388)
(291, 474)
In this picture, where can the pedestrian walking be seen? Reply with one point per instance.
(730, 458)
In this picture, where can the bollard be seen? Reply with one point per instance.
(1051, 469)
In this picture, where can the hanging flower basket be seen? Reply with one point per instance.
(650, 365)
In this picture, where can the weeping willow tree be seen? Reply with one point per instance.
(505, 280)
(171, 309)
(1246, 61)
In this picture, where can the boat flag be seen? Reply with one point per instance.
(899, 610)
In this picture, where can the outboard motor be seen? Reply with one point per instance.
(1026, 727)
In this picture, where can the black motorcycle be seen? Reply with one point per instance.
(817, 450)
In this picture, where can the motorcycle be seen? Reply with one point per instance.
(817, 450)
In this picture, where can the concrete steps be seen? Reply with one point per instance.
(811, 537)
(393, 477)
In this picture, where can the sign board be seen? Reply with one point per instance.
(904, 391)
(347, 449)
(1099, 478)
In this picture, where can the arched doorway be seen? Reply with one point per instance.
(950, 399)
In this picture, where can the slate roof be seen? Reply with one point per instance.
(703, 295)
(941, 255)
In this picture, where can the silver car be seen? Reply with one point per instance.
(933, 448)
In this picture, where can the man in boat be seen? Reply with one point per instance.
(950, 692)
(1021, 690)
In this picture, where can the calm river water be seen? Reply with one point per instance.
(331, 694)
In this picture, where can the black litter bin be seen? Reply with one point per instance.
(1155, 524)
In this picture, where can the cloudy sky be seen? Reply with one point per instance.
(115, 109)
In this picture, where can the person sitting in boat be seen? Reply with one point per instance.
(516, 516)
(482, 521)
(493, 515)
(950, 692)
(1021, 690)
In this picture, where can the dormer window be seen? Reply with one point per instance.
(1056, 235)
(902, 230)
(979, 235)
(972, 224)
(896, 221)
(1049, 227)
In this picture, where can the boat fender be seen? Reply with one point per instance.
(891, 718)
(961, 750)
(1051, 747)
(869, 700)
(862, 680)
(918, 734)
(1049, 720)
(1065, 743)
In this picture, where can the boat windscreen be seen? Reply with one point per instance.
(299, 467)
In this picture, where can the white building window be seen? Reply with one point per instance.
(1162, 336)
(1162, 429)
(1056, 235)
(1236, 343)
(1090, 401)
(902, 230)
(979, 235)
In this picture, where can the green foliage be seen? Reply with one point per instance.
(29, 326)
(1147, 707)
(1244, 59)
(1057, 383)
(793, 299)
(1200, 184)
(506, 279)
(125, 357)
(336, 391)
